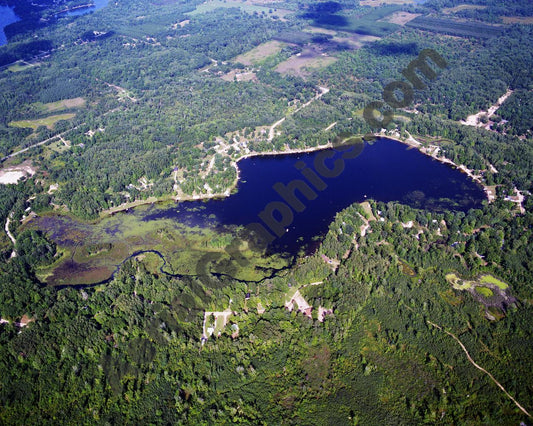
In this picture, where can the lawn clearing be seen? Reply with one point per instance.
(48, 122)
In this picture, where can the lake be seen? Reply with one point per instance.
(98, 4)
(385, 171)
(7, 16)
(181, 233)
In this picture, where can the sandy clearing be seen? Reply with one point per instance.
(11, 177)
(12, 174)
(302, 304)
(221, 319)
(474, 119)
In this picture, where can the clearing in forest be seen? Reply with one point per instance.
(299, 65)
(49, 122)
(524, 20)
(458, 8)
(378, 3)
(493, 293)
(63, 105)
(400, 18)
(246, 6)
(260, 53)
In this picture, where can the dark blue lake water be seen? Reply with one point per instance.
(385, 171)
(7, 16)
(98, 4)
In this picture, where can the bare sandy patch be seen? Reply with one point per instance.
(475, 119)
(12, 174)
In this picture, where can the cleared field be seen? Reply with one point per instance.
(400, 18)
(377, 3)
(302, 64)
(489, 279)
(460, 7)
(22, 66)
(524, 20)
(247, 6)
(63, 105)
(370, 23)
(260, 53)
(238, 75)
(458, 283)
(455, 28)
(355, 41)
(317, 30)
(49, 122)
(484, 291)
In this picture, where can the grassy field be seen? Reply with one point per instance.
(449, 10)
(489, 279)
(370, 24)
(455, 28)
(524, 20)
(22, 66)
(246, 6)
(400, 18)
(377, 3)
(484, 291)
(48, 122)
(62, 105)
(302, 64)
(260, 53)
(460, 284)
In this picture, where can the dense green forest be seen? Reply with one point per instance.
(147, 100)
